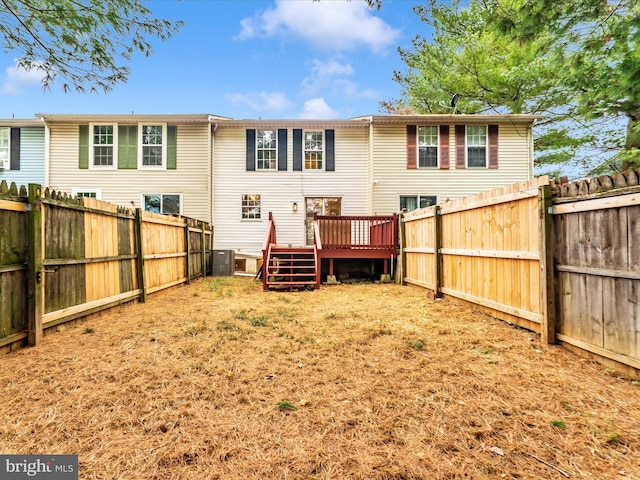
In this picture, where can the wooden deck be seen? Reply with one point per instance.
(335, 237)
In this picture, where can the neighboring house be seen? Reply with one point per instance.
(421, 160)
(22, 151)
(375, 165)
(161, 163)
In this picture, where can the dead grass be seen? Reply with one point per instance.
(219, 380)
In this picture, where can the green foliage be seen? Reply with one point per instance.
(89, 330)
(286, 406)
(559, 424)
(418, 344)
(575, 62)
(84, 42)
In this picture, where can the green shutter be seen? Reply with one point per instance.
(127, 147)
(83, 157)
(172, 140)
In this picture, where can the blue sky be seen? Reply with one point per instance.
(275, 59)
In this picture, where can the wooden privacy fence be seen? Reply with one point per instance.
(564, 266)
(62, 258)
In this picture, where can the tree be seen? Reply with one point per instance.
(85, 42)
(514, 56)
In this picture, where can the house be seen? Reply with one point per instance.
(422, 160)
(22, 151)
(373, 165)
(321, 184)
(292, 168)
(161, 163)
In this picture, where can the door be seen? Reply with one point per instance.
(321, 206)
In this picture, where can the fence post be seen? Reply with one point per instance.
(203, 248)
(547, 281)
(140, 256)
(401, 265)
(187, 248)
(35, 274)
(437, 256)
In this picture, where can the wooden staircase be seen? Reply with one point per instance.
(290, 268)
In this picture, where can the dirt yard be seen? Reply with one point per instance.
(219, 380)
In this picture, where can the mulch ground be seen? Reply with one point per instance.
(220, 380)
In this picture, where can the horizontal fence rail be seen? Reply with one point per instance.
(63, 258)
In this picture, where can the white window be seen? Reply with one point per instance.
(167, 203)
(477, 146)
(412, 202)
(152, 141)
(266, 150)
(5, 148)
(313, 150)
(87, 192)
(428, 146)
(103, 146)
(251, 207)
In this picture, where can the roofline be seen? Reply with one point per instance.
(294, 123)
(21, 122)
(203, 118)
(452, 119)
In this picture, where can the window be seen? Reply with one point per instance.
(313, 149)
(5, 135)
(103, 146)
(412, 202)
(266, 150)
(153, 150)
(251, 209)
(428, 146)
(169, 204)
(87, 193)
(477, 146)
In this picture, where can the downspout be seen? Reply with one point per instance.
(213, 127)
(47, 141)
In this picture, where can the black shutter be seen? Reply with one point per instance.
(282, 149)
(330, 150)
(15, 149)
(297, 149)
(251, 150)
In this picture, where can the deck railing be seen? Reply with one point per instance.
(357, 232)
(269, 240)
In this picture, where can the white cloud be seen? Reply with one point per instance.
(317, 108)
(17, 78)
(261, 101)
(331, 76)
(323, 75)
(336, 25)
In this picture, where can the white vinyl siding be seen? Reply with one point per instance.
(191, 179)
(279, 190)
(5, 147)
(32, 154)
(392, 179)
